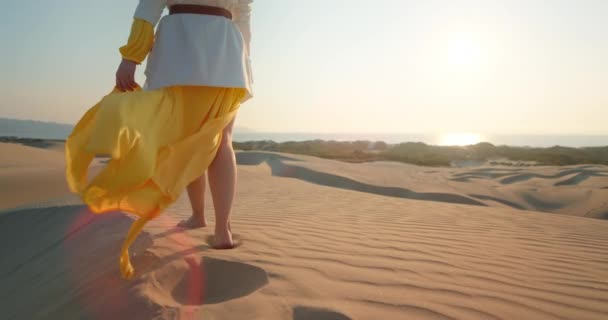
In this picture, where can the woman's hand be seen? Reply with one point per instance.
(125, 76)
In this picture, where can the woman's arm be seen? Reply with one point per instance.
(150, 10)
(140, 42)
(133, 53)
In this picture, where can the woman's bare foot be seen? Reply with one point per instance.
(194, 222)
(223, 239)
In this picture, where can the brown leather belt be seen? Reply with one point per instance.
(200, 9)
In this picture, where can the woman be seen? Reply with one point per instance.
(162, 139)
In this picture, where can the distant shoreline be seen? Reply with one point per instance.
(416, 153)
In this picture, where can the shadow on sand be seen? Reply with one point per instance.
(212, 281)
(308, 313)
(62, 263)
(579, 175)
(281, 169)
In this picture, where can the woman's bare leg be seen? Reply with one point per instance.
(222, 181)
(196, 194)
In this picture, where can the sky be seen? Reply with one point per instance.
(381, 66)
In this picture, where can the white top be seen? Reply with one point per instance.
(194, 49)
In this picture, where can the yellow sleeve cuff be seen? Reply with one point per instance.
(140, 41)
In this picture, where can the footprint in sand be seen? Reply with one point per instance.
(211, 281)
(307, 313)
(238, 241)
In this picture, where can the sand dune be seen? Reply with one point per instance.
(16, 155)
(573, 190)
(324, 240)
(29, 174)
(33, 172)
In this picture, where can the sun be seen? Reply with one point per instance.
(460, 139)
(464, 50)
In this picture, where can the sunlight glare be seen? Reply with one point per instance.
(460, 139)
(464, 50)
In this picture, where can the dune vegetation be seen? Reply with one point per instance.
(430, 155)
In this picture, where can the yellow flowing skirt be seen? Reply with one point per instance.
(159, 141)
